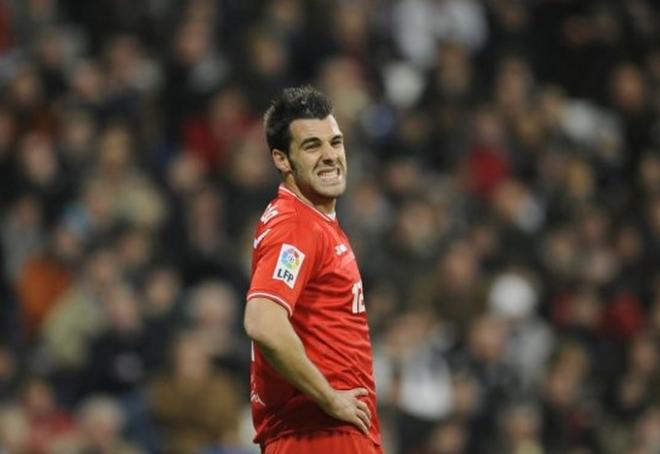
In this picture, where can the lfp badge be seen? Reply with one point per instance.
(288, 265)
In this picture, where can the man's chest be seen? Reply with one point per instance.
(336, 284)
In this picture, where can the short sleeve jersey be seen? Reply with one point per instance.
(303, 261)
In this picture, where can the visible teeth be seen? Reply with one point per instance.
(329, 176)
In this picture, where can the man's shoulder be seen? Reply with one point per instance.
(278, 211)
(284, 212)
(287, 223)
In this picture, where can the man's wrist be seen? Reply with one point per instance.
(327, 398)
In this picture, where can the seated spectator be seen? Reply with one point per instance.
(9, 373)
(213, 312)
(100, 421)
(14, 430)
(46, 277)
(116, 362)
(193, 406)
(48, 424)
(78, 315)
(162, 312)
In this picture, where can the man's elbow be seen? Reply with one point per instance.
(256, 324)
(253, 328)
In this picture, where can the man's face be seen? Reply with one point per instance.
(317, 158)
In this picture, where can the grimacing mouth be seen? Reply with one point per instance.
(328, 167)
(328, 170)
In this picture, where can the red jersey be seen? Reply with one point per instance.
(303, 261)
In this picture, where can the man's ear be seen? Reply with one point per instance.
(281, 161)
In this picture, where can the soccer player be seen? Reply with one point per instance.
(312, 385)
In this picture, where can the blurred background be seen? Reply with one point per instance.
(504, 203)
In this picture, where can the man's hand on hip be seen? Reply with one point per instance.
(346, 406)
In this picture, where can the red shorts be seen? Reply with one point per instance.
(323, 443)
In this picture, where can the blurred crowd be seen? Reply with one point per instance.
(503, 200)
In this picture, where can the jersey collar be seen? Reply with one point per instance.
(282, 190)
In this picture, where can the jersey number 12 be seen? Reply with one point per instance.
(358, 298)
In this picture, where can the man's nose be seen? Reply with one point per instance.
(329, 153)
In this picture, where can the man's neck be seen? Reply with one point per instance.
(325, 206)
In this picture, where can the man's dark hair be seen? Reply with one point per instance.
(295, 103)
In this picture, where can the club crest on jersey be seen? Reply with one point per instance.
(288, 265)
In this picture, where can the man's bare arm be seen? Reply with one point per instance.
(267, 324)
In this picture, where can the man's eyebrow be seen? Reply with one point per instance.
(309, 140)
(317, 140)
